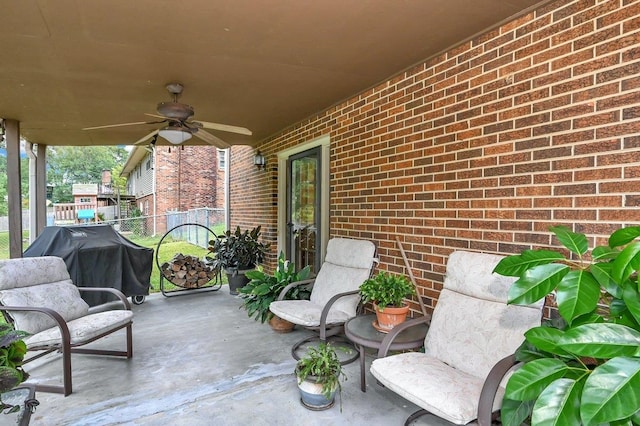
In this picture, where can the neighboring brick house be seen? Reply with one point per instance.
(175, 179)
(530, 124)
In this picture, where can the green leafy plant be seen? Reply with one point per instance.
(12, 352)
(237, 250)
(385, 289)
(584, 367)
(323, 363)
(264, 288)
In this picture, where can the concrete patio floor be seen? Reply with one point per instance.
(200, 360)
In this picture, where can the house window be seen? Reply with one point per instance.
(146, 208)
(85, 200)
(222, 159)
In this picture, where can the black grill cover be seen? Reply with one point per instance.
(97, 256)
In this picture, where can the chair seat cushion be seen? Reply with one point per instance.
(82, 329)
(306, 313)
(433, 385)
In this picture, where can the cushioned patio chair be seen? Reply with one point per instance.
(469, 346)
(37, 296)
(335, 292)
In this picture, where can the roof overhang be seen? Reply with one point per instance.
(259, 64)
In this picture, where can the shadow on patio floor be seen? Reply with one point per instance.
(200, 360)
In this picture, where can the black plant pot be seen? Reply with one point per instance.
(237, 279)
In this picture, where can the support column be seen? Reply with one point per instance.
(37, 190)
(12, 135)
(41, 188)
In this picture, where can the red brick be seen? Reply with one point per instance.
(596, 64)
(617, 73)
(599, 201)
(572, 85)
(596, 119)
(554, 143)
(574, 189)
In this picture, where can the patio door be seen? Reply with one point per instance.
(303, 208)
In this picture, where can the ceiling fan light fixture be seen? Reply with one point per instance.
(174, 134)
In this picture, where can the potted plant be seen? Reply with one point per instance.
(582, 368)
(264, 289)
(387, 292)
(319, 373)
(235, 253)
(12, 352)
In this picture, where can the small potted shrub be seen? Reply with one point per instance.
(387, 293)
(319, 373)
(12, 352)
(264, 289)
(582, 368)
(235, 253)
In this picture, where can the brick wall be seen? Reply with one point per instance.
(254, 196)
(187, 177)
(483, 147)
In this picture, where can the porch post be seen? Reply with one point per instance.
(41, 188)
(37, 189)
(12, 135)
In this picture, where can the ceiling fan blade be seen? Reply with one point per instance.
(157, 116)
(211, 139)
(119, 125)
(146, 137)
(225, 128)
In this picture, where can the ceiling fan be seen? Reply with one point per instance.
(178, 128)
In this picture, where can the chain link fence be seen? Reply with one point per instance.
(149, 226)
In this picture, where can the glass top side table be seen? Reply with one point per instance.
(361, 332)
(22, 396)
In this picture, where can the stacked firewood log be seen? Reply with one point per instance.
(187, 271)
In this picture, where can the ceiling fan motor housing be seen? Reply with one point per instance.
(175, 110)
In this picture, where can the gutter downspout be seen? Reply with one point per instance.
(153, 192)
(33, 199)
(227, 197)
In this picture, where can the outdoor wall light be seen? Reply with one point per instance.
(259, 160)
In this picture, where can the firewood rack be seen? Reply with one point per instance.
(212, 284)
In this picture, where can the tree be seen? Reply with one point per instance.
(79, 164)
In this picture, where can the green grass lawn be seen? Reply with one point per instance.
(4, 243)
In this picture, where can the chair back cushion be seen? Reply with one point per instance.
(347, 264)
(28, 271)
(39, 282)
(472, 326)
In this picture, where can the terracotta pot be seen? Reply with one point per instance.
(390, 317)
(280, 325)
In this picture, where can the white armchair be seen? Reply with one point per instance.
(469, 346)
(38, 296)
(335, 293)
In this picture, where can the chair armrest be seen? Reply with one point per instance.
(327, 308)
(391, 335)
(285, 290)
(61, 323)
(490, 388)
(120, 295)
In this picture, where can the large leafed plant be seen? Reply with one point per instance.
(264, 288)
(582, 368)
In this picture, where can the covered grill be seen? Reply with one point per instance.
(98, 256)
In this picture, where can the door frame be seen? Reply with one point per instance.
(283, 156)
